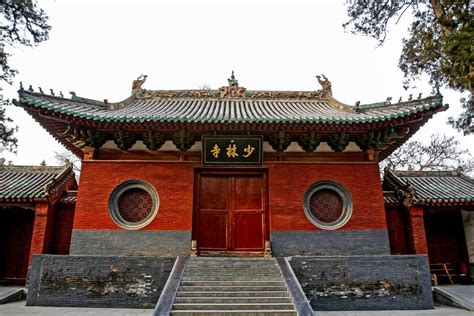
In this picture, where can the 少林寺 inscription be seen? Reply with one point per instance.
(232, 150)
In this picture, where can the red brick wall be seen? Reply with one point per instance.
(64, 217)
(288, 183)
(416, 231)
(396, 231)
(173, 181)
(39, 235)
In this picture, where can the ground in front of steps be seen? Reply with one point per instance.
(19, 308)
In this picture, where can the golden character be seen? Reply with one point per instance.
(232, 150)
(215, 151)
(249, 150)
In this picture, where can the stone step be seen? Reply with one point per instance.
(232, 283)
(238, 268)
(231, 273)
(231, 278)
(232, 262)
(216, 262)
(232, 268)
(234, 259)
(233, 306)
(237, 273)
(231, 288)
(236, 312)
(231, 300)
(232, 294)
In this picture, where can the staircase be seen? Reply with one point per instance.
(232, 286)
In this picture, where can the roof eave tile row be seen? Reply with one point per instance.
(31, 183)
(432, 188)
(280, 111)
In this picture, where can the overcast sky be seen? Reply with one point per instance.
(97, 48)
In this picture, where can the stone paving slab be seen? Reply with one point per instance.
(19, 309)
(456, 295)
(11, 293)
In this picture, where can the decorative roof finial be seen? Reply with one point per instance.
(410, 97)
(41, 90)
(400, 100)
(232, 81)
(388, 101)
(43, 163)
(30, 88)
(52, 92)
(21, 85)
(61, 94)
(137, 84)
(419, 95)
(326, 84)
(73, 94)
(356, 107)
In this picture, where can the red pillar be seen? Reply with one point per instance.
(416, 231)
(38, 237)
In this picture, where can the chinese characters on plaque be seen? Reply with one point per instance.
(232, 150)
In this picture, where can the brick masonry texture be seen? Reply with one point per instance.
(131, 242)
(97, 281)
(365, 282)
(330, 243)
(289, 181)
(174, 183)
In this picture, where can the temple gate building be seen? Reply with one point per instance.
(233, 172)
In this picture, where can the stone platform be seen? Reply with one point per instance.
(335, 283)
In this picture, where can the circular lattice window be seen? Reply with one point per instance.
(133, 204)
(327, 205)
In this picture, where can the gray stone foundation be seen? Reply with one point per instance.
(365, 282)
(97, 281)
(131, 242)
(330, 243)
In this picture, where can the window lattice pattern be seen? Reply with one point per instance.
(134, 205)
(326, 206)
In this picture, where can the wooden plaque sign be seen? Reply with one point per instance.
(232, 150)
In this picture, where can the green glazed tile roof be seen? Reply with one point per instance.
(29, 183)
(432, 187)
(259, 107)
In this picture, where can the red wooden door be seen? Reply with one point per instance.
(231, 213)
(16, 228)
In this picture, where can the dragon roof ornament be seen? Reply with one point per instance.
(233, 90)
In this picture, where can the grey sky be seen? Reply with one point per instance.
(96, 48)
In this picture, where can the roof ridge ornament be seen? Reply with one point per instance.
(326, 85)
(137, 83)
(232, 90)
(232, 81)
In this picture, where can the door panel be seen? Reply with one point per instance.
(248, 213)
(248, 232)
(213, 217)
(249, 193)
(231, 212)
(213, 193)
(213, 230)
